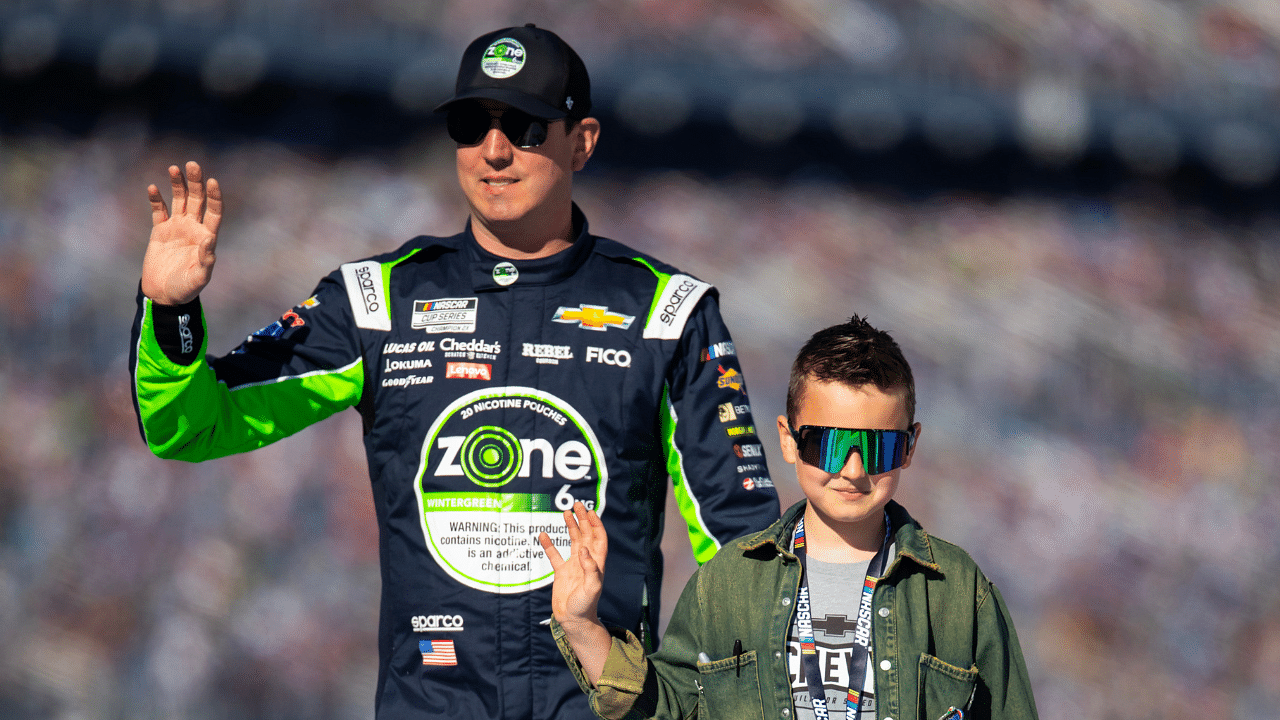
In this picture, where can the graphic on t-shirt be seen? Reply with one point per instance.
(484, 492)
(834, 627)
(833, 659)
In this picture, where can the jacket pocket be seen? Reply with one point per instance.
(730, 688)
(944, 687)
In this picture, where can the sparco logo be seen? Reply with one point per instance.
(368, 290)
(676, 299)
(437, 623)
(184, 332)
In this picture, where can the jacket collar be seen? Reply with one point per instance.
(490, 272)
(910, 540)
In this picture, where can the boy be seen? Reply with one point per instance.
(845, 599)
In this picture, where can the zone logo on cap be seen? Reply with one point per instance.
(503, 58)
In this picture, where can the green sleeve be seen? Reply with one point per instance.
(187, 412)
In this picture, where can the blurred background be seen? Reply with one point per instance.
(1064, 210)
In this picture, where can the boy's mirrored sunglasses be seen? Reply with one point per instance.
(469, 122)
(828, 448)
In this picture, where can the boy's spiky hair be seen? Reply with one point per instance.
(851, 353)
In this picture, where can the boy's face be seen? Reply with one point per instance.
(851, 496)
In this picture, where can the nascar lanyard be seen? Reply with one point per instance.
(861, 636)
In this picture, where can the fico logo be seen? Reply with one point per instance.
(620, 358)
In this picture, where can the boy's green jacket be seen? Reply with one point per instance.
(943, 638)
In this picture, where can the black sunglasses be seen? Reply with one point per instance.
(468, 123)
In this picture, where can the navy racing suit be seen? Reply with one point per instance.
(494, 393)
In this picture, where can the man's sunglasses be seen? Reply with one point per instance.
(468, 123)
(828, 448)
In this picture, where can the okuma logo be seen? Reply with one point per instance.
(498, 466)
(503, 58)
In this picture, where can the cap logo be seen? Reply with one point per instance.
(503, 58)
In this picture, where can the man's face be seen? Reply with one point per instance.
(527, 191)
(851, 496)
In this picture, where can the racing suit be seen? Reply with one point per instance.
(493, 393)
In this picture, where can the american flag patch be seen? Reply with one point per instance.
(437, 652)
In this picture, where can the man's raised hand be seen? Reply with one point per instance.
(181, 252)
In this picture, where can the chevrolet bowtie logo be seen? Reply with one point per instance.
(593, 317)
(835, 625)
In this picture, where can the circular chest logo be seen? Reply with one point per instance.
(505, 273)
(499, 466)
(503, 58)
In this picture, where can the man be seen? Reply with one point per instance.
(502, 374)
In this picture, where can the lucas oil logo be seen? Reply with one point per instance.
(500, 465)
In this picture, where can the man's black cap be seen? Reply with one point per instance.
(528, 68)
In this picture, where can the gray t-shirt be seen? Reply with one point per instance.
(835, 590)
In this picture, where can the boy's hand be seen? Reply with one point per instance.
(579, 578)
(575, 593)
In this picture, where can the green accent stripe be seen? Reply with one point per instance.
(663, 279)
(704, 544)
(487, 502)
(188, 414)
(386, 278)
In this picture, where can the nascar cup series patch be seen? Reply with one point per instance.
(503, 58)
(485, 492)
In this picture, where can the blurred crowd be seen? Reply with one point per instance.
(1201, 51)
(1099, 383)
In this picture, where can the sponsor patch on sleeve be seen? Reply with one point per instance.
(365, 291)
(675, 304)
